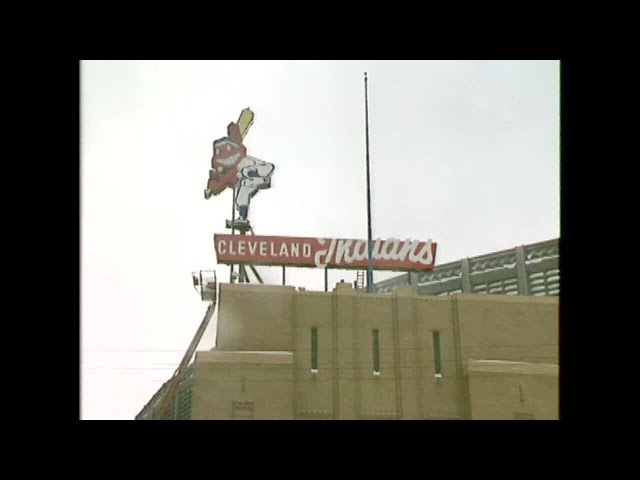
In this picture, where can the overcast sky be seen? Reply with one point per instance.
(465, 153)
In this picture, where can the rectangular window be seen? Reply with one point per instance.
(437, 359)
(376, 353)
(314, 349)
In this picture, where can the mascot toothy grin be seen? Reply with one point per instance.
(229, 160)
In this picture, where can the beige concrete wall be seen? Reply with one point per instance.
(272, 318)
(439, 397)
(255, 317)
(313, 391)
(264, 380)
(508, 327)
(508, 391)
(376, 394)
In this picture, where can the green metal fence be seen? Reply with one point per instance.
(180, 406)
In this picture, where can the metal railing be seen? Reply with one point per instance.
(527, 270)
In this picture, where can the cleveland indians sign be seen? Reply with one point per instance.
(390, 254)
(231, 167)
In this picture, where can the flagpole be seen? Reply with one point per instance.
(369, 263)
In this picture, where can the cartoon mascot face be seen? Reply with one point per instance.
(228, 151)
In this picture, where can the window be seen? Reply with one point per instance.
(437, 359)
(314, 349)
(376, 353)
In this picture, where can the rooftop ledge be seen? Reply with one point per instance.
(218, 356)
(506, 367)
(543, 299)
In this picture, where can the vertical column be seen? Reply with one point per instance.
(521, 271)
(406, 361)
(466, 275)
(463, 382)
(334, 356)
(294, 335)
(413, 282)
(356, 358)
(396, 355)
(345, 357)
(418, 360)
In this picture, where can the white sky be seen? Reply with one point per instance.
(463, 152)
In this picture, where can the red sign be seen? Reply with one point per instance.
(390, 254)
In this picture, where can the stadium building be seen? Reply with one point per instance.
(526, 270)
(472, 339)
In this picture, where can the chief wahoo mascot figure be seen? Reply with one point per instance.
(232, 167)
